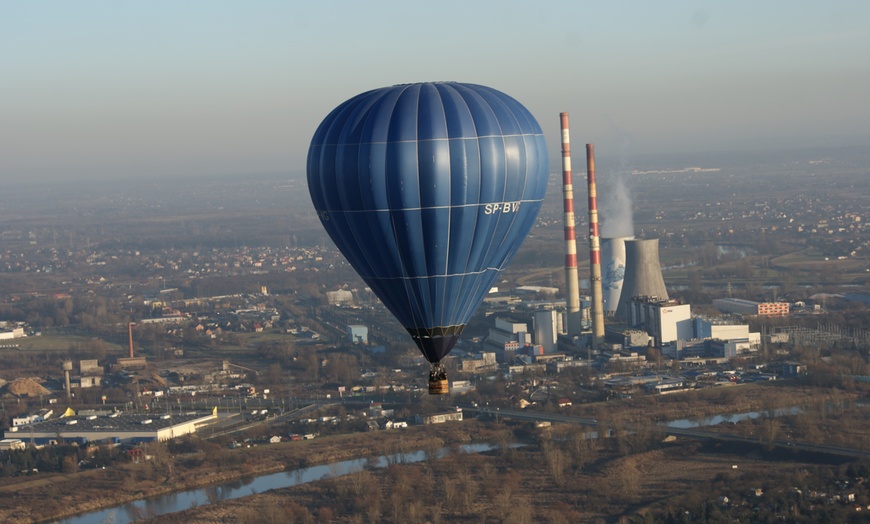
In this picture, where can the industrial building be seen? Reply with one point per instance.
(11, 444)
(16, 332)
(548, 326)
(748, 307)
(358, 334)
(719, 329)
(111, 426)
(439, 418)
(664, 320)
(480, 362)
(508, 334)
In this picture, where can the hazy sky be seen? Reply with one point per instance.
(118, 88)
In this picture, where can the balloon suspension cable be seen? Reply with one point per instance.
(437, 371)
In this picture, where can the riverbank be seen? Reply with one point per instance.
(57, 496)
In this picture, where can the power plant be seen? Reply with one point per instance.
(620, 268)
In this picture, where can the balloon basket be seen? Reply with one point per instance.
(439, 387)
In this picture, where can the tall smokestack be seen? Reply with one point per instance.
(594, 252)
(130, 332)
(67, 367)
(572, 281)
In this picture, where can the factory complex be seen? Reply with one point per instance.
(628, 290)
(109, 426)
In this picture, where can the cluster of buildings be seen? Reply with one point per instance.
(641, 316)
(38, 258)
(103, 426)
(12, 330)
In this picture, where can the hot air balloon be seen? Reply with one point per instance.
(428, 190)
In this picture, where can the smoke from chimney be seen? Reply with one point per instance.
(617, 215)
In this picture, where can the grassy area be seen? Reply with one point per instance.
(60, 342)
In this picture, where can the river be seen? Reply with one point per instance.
(182, 500)
(685, 423)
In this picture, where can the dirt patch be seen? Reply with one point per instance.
(27, 387)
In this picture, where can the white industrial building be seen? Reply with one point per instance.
(548, 326)
(720, 329)
(8, 444)
(508, 333)
(358, 334)
(111, 426)
(439, 418)
(664, 320)
(17, 332)
(39, 416)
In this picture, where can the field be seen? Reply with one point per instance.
(556, 475)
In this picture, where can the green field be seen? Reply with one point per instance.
(61, 342)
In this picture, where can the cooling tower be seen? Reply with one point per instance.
(612, 271)
(643, 274)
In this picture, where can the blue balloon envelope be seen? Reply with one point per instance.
(428, 190)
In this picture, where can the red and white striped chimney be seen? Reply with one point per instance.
(594, 252)
(572, 282)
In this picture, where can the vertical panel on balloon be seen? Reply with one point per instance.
(347, 177)
(515, 168)
(402, 181)
(436, 238)
(464, 172)
(403, 121)
(504, 113)
(460, 123)
(433, 164)
(408, 227)
(512, 207)
(453, 296)
(380, 117)
(485, 122)
(315, 156)
(491, 177)
(436, 224)
(431, 124)
(326, 183)
(463, 220)
(537, 167)
(372, 169)
(410, 242)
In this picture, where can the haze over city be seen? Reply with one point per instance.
(221, 300)
(112, 90)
